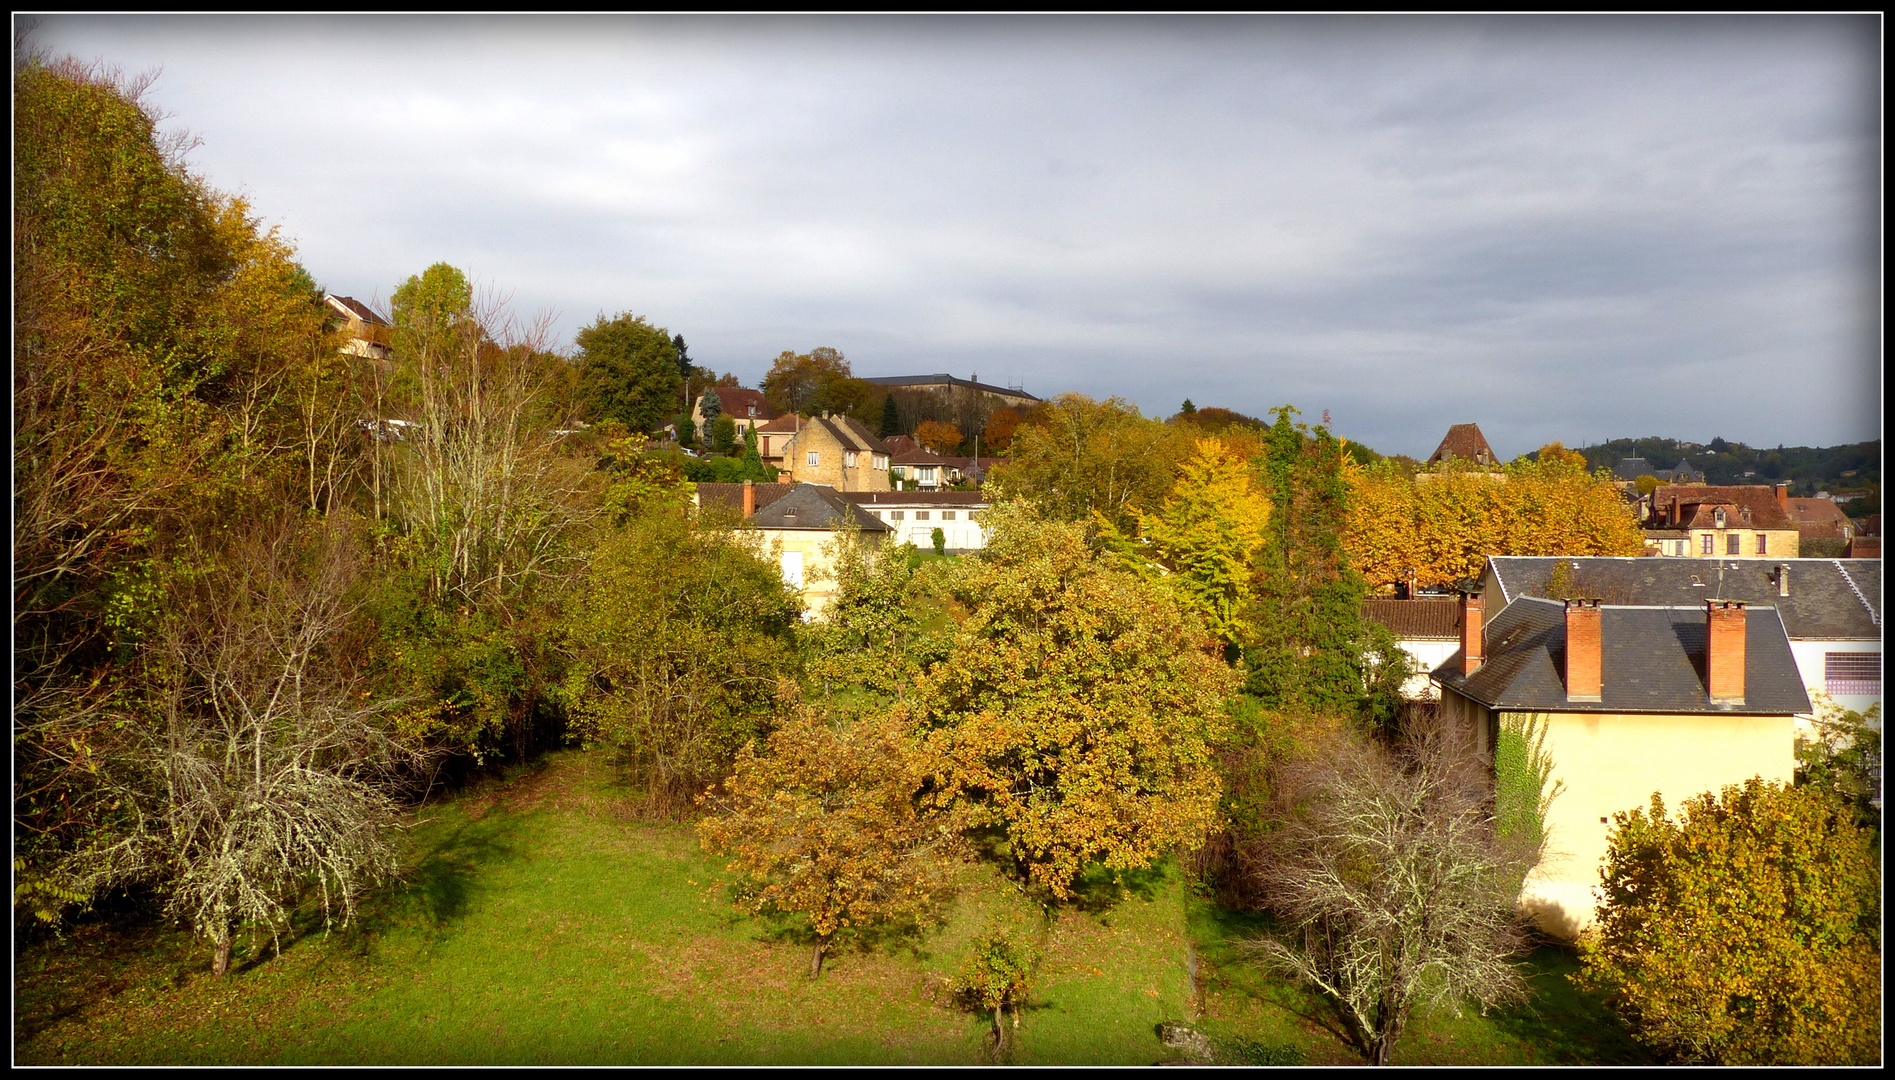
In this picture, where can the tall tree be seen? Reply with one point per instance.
(891, 417)
(1746, 930)
(817, 381)
(940, 437)
(1076, 711)
(630, 371)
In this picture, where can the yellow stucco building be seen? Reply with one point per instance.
(1635, 699)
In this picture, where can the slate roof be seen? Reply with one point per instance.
(1697, 506)
(1651, 661)
(971, 499)
(1464, 441)
(1632, 468)
(899, 381)
(349, 305)
(815, 506)
(1412, 620)
(731, 496)
(1830, 599)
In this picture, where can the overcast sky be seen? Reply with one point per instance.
(1570, 229)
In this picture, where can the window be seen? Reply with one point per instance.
(1763, 544)
(1852, 672)
(926, 475)
(753, 410)
(848, 459)
(1708, 550)
(881, 461)
(921, 515)
(895, 515)
(814, 456)
(793, 569)
(1734, 544)
(1717, 517)
(947, 515)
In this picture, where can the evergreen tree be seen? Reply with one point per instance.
(891, 417)
(1187, 409)
(753, 461)
(684, 357)
(712, 407)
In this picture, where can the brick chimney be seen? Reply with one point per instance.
(1724, 651)
(750, 498)
(1473, 634)
(1583, 648)
(1783, 497)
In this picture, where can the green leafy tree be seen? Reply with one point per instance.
(1079, 456)
(629, 371)
(1843, 755)
(680, 638)
(1077, 709)
(996, 979)
(939, 540)
(1744, 931)
(753, 459)
(724, 434)
(870, 635)
(830, 824)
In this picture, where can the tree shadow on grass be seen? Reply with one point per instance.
(1563, 1023)
(1097, 889)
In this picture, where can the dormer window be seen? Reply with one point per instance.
(1717, 516)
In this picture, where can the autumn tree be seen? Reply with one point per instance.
(870, 635)
(1076, 711)
(1001, 425)
(1203, 541)
(942, 438)
(996, 978)
(1080, 456)
(817, 381)
(1392, 887)
(829, 822)
(1745, 930)
(679, 637)
(1443, 524)
(1842, 755)
(629, 371)
(173, 379)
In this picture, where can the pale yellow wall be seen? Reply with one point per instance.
(1781, 543)
(1611, 763)
(819, 586)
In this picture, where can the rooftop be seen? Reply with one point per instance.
(899, 381)
(815, 506)
(1651, 661)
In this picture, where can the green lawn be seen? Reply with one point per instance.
(538, 924)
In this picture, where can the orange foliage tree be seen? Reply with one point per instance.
(938, 436)
(1443, 525)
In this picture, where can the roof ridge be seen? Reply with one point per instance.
(1874, 616)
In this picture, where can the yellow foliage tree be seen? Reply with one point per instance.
(1442, 526)
(1203, 539)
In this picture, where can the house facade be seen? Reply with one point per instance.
(836, 451)
(747, 407)
(799, 530)
(912, 516)
(367, 333)
(1720, 522)
(1830, 608)
(1635, 700)
(1427, 629)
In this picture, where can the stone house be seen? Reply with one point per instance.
(799, 528)
(1722, 522)
(1427, 629)
(1635, 699)
(837, 451)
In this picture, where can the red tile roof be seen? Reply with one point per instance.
(737, 403)
(1464, 441)
(1696, 506)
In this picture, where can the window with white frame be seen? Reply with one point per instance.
(1852, 673)
(895, 515)
(815, 456)
(1708, 539)
(881, 461)
(947, 515)
(921, 515)
(848, 459)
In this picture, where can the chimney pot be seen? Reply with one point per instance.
(750, 498)
(1584, 649)
(1473, 634)
(1783, 497)
(1724, 651)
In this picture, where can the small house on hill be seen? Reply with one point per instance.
(747, 407)
(369, 335)
(1725, 521)
(1464, 441)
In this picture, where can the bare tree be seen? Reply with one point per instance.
(1393, 886)
(255, 766)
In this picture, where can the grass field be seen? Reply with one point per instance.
(539, 924)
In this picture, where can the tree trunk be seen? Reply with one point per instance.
(220, 960)
(815, 959)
